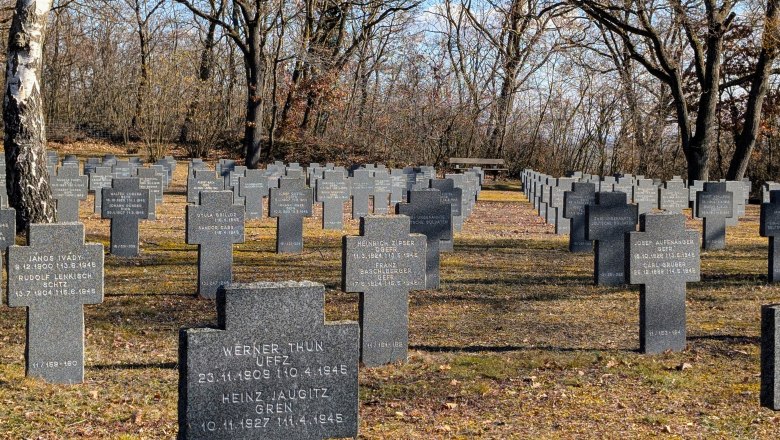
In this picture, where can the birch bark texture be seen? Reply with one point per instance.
(25, 129)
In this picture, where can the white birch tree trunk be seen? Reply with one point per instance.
(25, 129)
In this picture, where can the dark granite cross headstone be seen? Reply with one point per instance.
(332, 191)
(645, 195)
(382, 190)
(125, 203)
(397, 185)
(7, 227)
(203, 180)
(69, 186)
(271, 369)
(362, 187)
(574, 203)
(662, 257)
(714, 205)
(431, 217)
(214, 225)
(290, 203)
(562, 224)
(99, 179)
(770, 227)
(606, 224)
(673, 197)
(770, 356)
(54, 276)
(151, 180)
(123, 168)
(253, 187)
(384, 263)
(453, 196)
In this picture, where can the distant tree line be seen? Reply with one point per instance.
(648, 87)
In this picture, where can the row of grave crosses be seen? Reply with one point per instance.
(333, 186)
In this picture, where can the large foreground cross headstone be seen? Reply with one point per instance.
(606, 224)
(214, 225)
(271, 369)
(663, 256)
(125, 203)
(54, 276)
(290, 203)
(431, 217)
(383, 263)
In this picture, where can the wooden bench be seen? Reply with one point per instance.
(489, 166)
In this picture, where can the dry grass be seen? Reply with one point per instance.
(518, 343)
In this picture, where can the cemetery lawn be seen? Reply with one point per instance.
(517, 343)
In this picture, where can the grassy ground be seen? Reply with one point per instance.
(517, 343)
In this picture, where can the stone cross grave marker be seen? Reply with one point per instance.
(562, 224)
(271, 369)
(429, 216)
(645, 195)
(453, 196)
(123, 168)
(290, 203)
(574, 203)
(125, 203)
(693, 189)
(333, 192)
(203, 180)
(770, 356)
(714, 205)
(384, 263)
(151, 180)
(362, 186)
(737, 188)
(7, 227)
(214, 225)
(54, 276)
(253, 187)
(606, 224)
(770, 227)
(673, 197)
(662, 257)
(68, 186)
(397, 185)
(382, 190)
(99, 179)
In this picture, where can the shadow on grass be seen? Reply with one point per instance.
(512, 348)
(135, 366)
(731, 339)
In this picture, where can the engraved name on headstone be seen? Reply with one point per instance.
(290, 203)
(214, 225)
(769, 226)
(54, 276)
(271, 369)
(68, 187)
(663, 256)
(429, 216)
(125, 203)
(384, 263)
(574, 203)
(333, 191)
(606, 224)
(714, 204)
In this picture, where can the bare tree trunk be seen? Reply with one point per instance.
(204, 74)
(255, 79)
(746, 140)
(25, 131)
